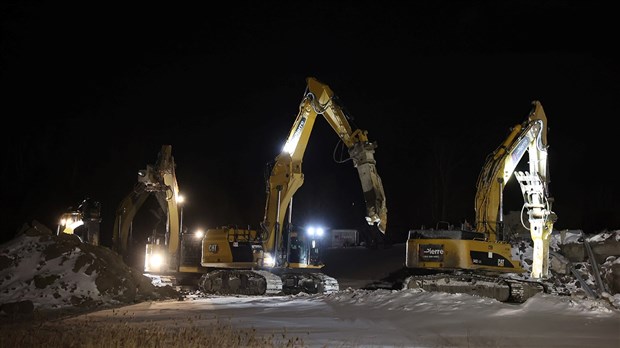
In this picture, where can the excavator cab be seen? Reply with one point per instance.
(83, 222)
(297, 250)
(301, 252)
(303, 249)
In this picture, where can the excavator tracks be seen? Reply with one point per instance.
(240, 282)
(521, 290)
(310, 283)
(258, 282)
(499, 288)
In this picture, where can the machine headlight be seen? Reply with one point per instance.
(315, 231)
(311, 231)
(156, 260)
(76, 224)
(268, 260)
(319, 232)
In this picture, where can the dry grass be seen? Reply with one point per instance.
(128, 335)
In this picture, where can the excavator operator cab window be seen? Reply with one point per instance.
(314, 255)
(298, 251)
(304, 247)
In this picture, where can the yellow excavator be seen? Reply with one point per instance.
(278, 257)
(480, 261)
(170, 254)
(84, 221)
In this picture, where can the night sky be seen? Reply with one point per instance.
(90, 93)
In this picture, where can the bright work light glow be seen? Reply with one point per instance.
(293, 140)
(75, 224)
(269, 261)
(315, 231)
(199, 233)
(311, 231)
(156, 260)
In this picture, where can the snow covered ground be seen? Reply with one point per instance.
(47, 273)
(386, 318)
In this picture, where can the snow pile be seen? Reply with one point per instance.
(605, 236)
(408, 300)
(440, 303)
(40, 271)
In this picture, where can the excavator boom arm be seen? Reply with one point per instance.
(286, 175)
(530, 136)
(360, 150)
(500, 165)
(160, 181)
